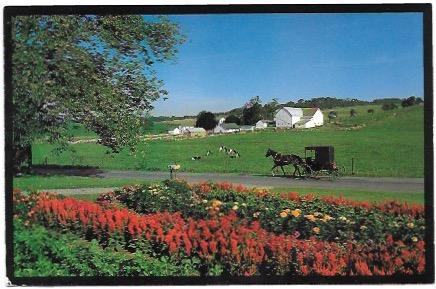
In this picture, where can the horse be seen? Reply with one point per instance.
(285, 160)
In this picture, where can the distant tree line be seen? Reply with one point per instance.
(254, 110)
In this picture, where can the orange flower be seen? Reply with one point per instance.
(310, 217)
(296, 212)
(283, 214)
(315, 230)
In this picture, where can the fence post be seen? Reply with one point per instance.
(352, 166)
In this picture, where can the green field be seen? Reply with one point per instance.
(34, 183)
(383, 144)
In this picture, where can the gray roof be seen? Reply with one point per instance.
(230, 125)
(294, 111)
(309, 112)
(196, 129)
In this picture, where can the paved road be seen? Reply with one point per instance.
(355, 183)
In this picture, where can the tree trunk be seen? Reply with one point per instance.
(22, 158)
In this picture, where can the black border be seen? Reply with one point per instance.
(426, 9)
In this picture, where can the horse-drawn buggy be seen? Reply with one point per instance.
(318, 161)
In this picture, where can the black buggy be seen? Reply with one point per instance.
(320, 161)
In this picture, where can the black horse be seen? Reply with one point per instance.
(285, 160)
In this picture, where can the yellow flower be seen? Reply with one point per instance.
(414, 239)
(310, 217)
(283, 214)
(317, 214)
(363, 227)
(216, 203)
(410, 225)
(315, 230)
(327, 218)
(296, 213)
(234, 208)
(287, 210)
(342, 218)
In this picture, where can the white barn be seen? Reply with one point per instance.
(291, 117)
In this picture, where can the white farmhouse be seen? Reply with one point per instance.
(261, 124)
(291, 117)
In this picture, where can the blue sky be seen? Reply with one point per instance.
(228, 59)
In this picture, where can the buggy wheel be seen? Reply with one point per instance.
(337, 173)
(308, 172)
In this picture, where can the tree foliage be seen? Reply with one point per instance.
(332, 115)
(94, 70)
(410, 101)
(206, 120)
(389, 106)
(252, 111)
(233, 119)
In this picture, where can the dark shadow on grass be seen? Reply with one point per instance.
(66, 170)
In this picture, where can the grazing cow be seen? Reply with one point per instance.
(196, 158)
(208, 153)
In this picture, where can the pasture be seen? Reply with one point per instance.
(386, 143)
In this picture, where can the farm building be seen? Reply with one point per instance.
(196, 131)
(247, 128)
(226, 128)
(175, 131)
(291, 117)
(261, 124)
(312, 117)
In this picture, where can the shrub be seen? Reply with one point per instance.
(42, 253)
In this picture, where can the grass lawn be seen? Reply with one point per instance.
(33, 183)
(30, 183)
(384, 144)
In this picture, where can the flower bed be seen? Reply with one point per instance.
(226, 240)
(327, 218)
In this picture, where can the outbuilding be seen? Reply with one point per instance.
(295, 117)
(226, 128)
(261, 124)
(175, 131)
(196, 131)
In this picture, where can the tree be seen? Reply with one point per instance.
(233, 119)
(89, 69)
(418, 100)
(353, 112)
(270, 108)
(389, 106)
(252, 111)
(332, 115)
(206, 120)
(410, 101)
